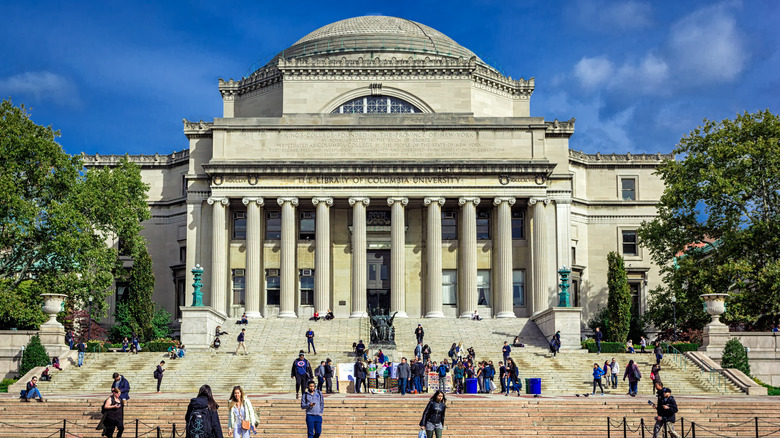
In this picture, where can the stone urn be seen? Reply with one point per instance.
(52, 305)
(715, 305)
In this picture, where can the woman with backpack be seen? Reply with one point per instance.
(512, 374)
(113, 415)
(633, 374)
(241, 416)
(202, 418)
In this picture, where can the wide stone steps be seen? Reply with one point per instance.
(359, 416)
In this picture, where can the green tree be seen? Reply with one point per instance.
(162, 324)
(718, 224)
(34, 355)
(619, 300)
(21, 308)
(56, 218)
(735, 356)
(140, 306)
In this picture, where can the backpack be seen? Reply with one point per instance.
(199, 423)
(442, 371)
(156, 375)
(636, 373)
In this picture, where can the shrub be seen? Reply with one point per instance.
(161, 323)
(160, 345)
(682, 347)
(6, 383)
(606, 347)
(600, 319)
(734, 356)
(34, 355)
(619, 299)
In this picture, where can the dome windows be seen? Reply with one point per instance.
(376, 105)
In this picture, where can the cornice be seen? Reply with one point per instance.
(199, 129)
(618, 160)
(560, 129)
(144, 161)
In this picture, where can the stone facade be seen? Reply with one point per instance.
(408, 177)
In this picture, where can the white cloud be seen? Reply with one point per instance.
(40, 86)
(608, 17)
(644, 77)
(708, 46)
(593, 72)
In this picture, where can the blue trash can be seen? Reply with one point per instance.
(535, 386)
(471, 386)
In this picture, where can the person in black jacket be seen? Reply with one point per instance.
(419, 333)
(202, 416)
(158, 374)
(123, 385)
(114, 411)
(666, 408)
(302, 373)
(328, 376)
(360, 376)
(433, 416)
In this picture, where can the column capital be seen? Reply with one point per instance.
(508, 199)
(327, 200)
(291, 199)
(532, 201)
(399, 199)
(464, 199)
(220, 199)
(256, 199)
(431, 199)
(362, 199)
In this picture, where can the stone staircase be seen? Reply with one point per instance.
(395, 416)
(274, 343)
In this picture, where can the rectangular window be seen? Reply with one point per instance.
(449, 286)
(635, 299)
(184, 185)
(239, 287)
(573, 255)
(628, 189)
(483, 225)
(630, 247)
(273, 225)
(449, 225)
(518, 225)
(181, 295)
(121, 291)
(272, 287)
(307, 287)
(239, 225)
(306, 228)
(183, 254)
(518, 288)
(483, 287)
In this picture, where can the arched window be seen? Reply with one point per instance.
(376, 105)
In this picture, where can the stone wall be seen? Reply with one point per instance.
(11, 343)
(763, 354)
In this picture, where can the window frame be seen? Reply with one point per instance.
(522, 288)
(518, 216)
(620, 179)
(271, 292)
(308, 290)
(238, 232)
(622, 243)
(268, 233)
(454, 286)
(239, 293)
(481, 286)
(485, 216)
(452, 229)
(307, 235)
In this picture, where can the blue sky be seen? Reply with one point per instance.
(118, 77)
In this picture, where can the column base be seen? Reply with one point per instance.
(257, 315)
(438, 314)
(465, 315)
(286, 314)
(506, 315)
(358, 314)
(399, 314)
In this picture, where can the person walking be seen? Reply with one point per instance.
(481, 377)
(122, 385)
(202, 418)
(240, 340)
(443, 369)
(666, 408)
(310, 341)
(69, 339)
(314, 404)
(404, 372)
(301, 372)
(502, 376)
(432, 420)
(457, 378)
(633, 374)
(607, 369)
(491, 374)
(360, 350)
(512, 377)
(597, 373)
(359, 371)
(426, 353)
(615, 371)
(419, 333)
(158, 374)
(136, 343)
(328, 376)
(598, 336)
(659, 353)
(418, 350)
(506, 350)
(555, 343)
(82, 352)
(319, 373)
(418, 373)
(642, 344)
(241, 415)
(655, 374)
(113, 410)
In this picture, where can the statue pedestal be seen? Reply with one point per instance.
(53, 338)
(714, 338)
(198, 325)
(567, 320)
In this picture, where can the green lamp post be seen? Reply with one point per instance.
(563, 296)
(197, 295)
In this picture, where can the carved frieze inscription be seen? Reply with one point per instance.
(378, 145)
(377, 181)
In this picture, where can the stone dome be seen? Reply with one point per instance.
(376, 34)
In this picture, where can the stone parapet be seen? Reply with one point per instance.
(567, 320)
(198, 325)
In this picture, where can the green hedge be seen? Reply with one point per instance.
(606, 347)
(681, 346)
(6, 383)
(159, 345)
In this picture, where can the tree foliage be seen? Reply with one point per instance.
(21, 308)
(619, 300)
(140, 307)
(56, 218)
(162, 324)
(735, 356)
(34, 355)
(720, 210)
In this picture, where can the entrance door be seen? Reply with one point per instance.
(378, 280)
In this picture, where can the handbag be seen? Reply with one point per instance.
(422, 434)
(244, 422)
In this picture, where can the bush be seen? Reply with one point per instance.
(619, 299)
(734, 356)
(6, 383)
(160, 345)
(34, 355)
(606, 347)
(161, 323)
(682, 347)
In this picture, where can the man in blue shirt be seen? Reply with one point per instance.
(314, 404)
(310, 341)
(506, 350)
(240, 340)
(302, 373)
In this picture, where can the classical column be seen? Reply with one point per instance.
(397, 259)
(359, 267)
(433, 248)
(219, 267)
(467, 255)
(194, 239)
(541, 298)
(254, 248)
(287, 273)
(502, 295)
(563, 232)
(322, 254)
